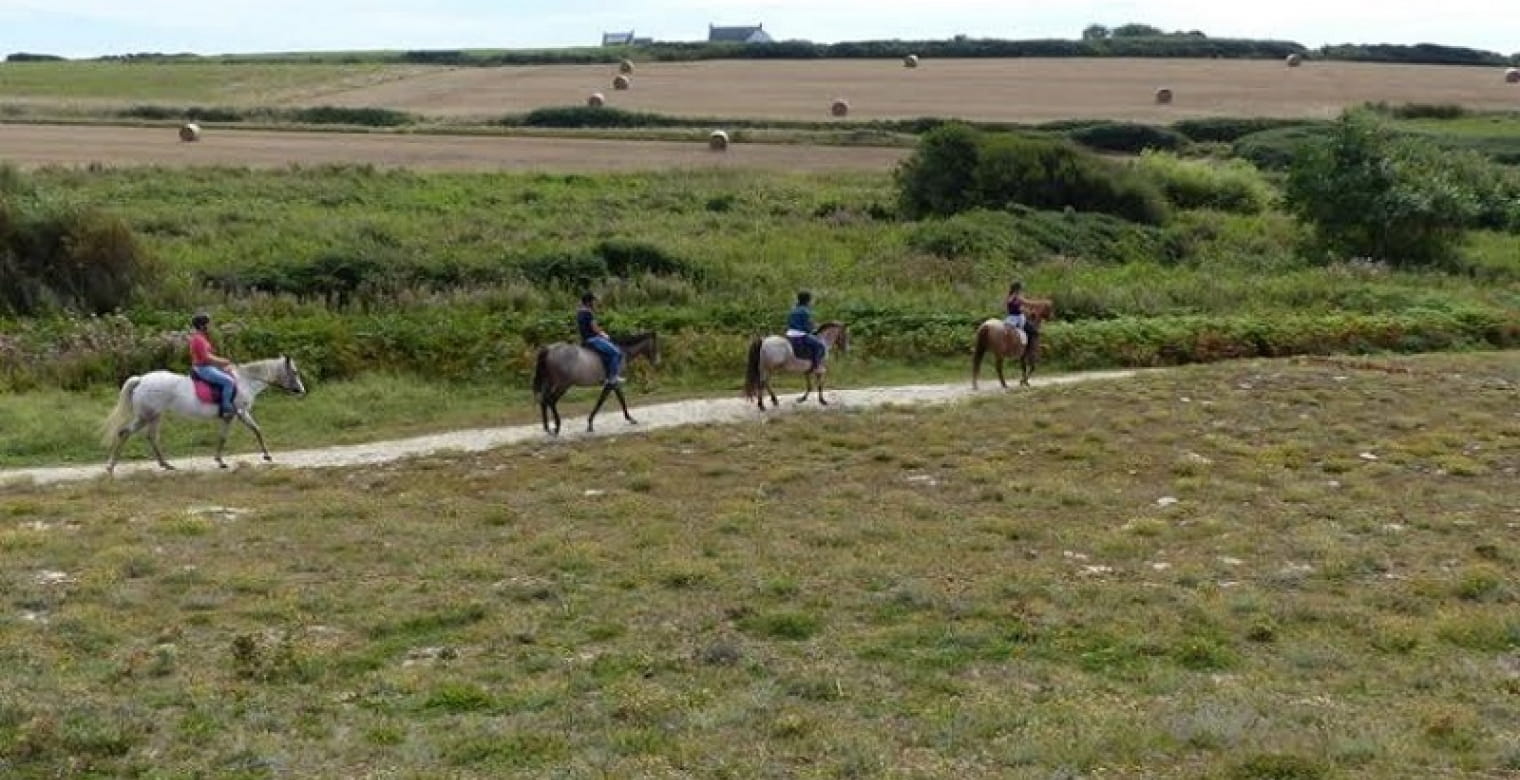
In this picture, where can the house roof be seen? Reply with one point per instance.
(746, 34)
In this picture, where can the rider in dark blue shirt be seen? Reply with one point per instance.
(594, 338)
(799, 329)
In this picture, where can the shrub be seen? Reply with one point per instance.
(956, 168)
(1234, 186)
(569, 269)
(1275, 150)
(628, 259)
(1231, 129)
(56, 254)
(1127, 137)
(587, 116)
(939, 178)
(1369, 192)
(1045, 174)
(1024, 235)
(339, 115)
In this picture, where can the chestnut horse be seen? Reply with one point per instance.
(1006, 342)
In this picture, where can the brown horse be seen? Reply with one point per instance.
(562, 366)
(1006, 342)
(774, 353)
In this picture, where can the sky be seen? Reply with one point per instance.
(86, 28)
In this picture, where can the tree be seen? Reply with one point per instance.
(1371, 192)
(1094, 32)
(940, 176)
(1134, 30)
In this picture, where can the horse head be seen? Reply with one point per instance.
(289, 378)
(646, 344)
(835, 334)
(1040, 309)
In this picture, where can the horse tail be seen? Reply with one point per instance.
(752, 380)
(121, 414)
(983, 337)
(541, 374)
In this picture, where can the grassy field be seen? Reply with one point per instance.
(1257, 570)
(442, 285)
(244, 84)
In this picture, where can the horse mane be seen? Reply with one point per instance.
(829, 324)
(634, 338)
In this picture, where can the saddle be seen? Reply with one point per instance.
(207, 393)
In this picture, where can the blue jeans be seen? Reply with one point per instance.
(612, 357)
(222, 381)
(816, 349)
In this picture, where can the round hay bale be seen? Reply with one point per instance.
(1295, 59)
(626, 67)
(621, 83)
(1163, 96)
(1512, 76)
(189, 132)
(840, 107)
(596, 100)
(718, 141)
(910, 61)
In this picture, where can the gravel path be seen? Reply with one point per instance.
(667, 415)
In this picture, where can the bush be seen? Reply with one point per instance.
(61, 255)
(338, 115)
(22, 56)
(939, 177)
(1234, 186)
(587, 116)
(1127, 137)
(1370, 192)
(1228, 130)
(1275, 150)
(957, 168)
(1026, 236)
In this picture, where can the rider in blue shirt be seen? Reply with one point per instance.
(594, 338)
(799, 329)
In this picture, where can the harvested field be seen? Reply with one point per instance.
(1014, 90)
(38, 145)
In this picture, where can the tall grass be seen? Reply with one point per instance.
(460, 275)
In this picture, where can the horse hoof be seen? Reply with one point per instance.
(821, 401)
(632, 421)
(268, 459)
(221, 465)
(167, 467)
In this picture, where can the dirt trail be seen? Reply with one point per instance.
(655, 417)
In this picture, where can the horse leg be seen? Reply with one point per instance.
(623, 402)
(158, 450)
(258, 433)
(601, 399)
(543, 410)
(1030, 357)
(821, 399)
(998, 361)
(221, 441)
(122, 434)
(774, 400)
(808, 378)
(554, 407)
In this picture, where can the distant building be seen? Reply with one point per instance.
(619, 39)
(755, 34)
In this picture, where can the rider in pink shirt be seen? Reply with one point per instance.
(210, 367)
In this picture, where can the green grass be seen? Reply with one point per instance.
(1299, 611)
(224, 83)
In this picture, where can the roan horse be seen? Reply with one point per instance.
(144, 400)
(774, 354)
(1005, 342)
(562, 366)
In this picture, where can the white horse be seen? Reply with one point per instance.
(144, 400)
(774, 354)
